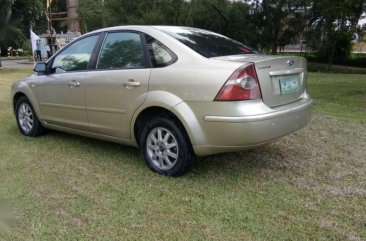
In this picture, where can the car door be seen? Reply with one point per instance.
(61, 92)
(118, 85)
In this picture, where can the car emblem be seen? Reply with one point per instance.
(290, 62)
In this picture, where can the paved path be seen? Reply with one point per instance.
(16, 64)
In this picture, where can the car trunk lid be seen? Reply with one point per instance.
(282, 79)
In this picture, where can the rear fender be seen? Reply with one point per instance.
(176, 106)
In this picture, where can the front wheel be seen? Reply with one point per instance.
(166, 147)
(27, 120)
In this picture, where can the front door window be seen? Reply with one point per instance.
(76, 57)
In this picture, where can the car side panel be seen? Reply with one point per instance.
(61, 103)
(194, 81)
(110, 104)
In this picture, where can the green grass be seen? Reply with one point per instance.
(309, 185)
(340, 95)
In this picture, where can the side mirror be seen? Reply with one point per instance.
(40, 68)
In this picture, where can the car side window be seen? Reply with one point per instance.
(160, 55)
(75, 57)
(122, 50)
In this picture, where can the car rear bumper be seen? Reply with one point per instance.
(236, 133)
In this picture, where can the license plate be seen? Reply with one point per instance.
(289, 84)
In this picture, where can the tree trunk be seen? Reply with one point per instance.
(0, 59)
(274, 48)
(331, 57)
(275, 41)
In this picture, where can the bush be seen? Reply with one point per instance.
(321, 67)
(354, 60)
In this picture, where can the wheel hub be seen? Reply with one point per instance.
(25, 117)
(162, 148)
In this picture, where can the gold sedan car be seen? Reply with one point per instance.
(175, 92)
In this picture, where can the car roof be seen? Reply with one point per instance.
(139, 28)
(128, 27)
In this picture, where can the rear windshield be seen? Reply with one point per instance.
(206, 43)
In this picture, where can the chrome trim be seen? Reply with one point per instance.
(289, 71)
(290, 62)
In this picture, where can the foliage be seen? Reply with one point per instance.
(16, 18)
(327, 25)
(332, 25)
(278, 22)
(337, 69)
(264, 24)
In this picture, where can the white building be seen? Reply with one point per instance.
(362, 21)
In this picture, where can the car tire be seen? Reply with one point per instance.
(166, 147)
(27, 119)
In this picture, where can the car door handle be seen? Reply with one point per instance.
(74, 83)
(131, 83)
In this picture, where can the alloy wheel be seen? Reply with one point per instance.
(25, 118)
(162, 148)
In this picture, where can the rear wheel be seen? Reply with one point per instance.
(166, 147)
(27, 120)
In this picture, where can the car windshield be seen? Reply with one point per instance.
(206, 43)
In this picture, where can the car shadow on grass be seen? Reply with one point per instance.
(249, 162)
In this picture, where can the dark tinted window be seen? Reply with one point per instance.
(76, 56)
(160, 55)
(121, 51)
(206, 43)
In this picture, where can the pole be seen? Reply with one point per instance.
(1, 66)
(103, 18)
(51, 44)
(49, 16)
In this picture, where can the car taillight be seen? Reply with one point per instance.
(243, 84)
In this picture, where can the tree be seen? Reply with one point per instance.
(5, 15)
(278, 21)
(331, 27)
(92, 15)
(16, 18)
(242, 27)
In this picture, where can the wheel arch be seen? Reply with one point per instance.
(22, 88)
(17, 95)
(162, 102)
(16, 98)
(149, 113)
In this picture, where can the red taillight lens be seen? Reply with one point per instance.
(243, 84)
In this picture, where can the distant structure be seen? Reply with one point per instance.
(73, 20)
(362, 21)
(71, 16)
(56, 41)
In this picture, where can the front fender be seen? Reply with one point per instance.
(29, 90)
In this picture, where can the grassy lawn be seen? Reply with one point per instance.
(309, 185)
(339, 95)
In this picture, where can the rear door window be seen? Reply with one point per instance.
(206, 43)
(122, 50)
(160, 55)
